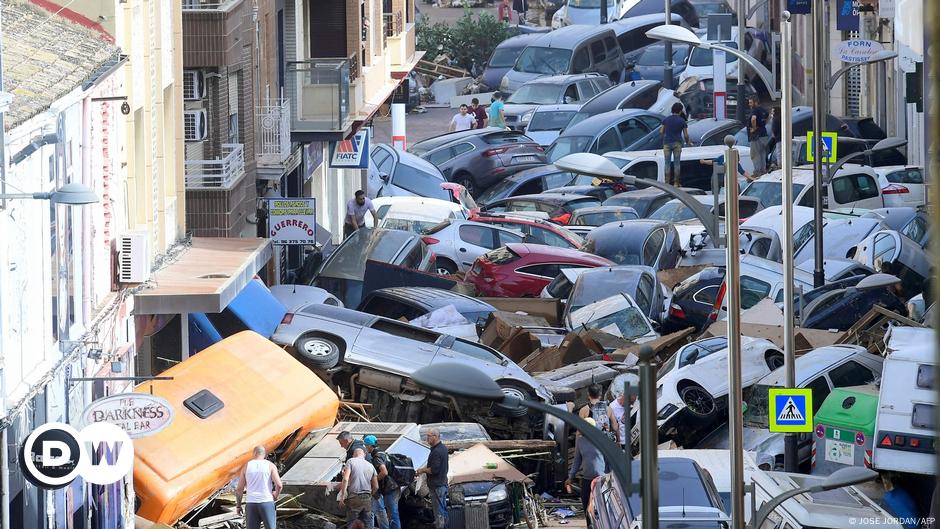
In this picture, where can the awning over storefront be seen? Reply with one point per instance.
(206, 278)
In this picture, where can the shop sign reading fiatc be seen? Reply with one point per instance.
(138, 414)
(858, 50)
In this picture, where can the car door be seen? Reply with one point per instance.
(391, 345)
(858, 190)
(631, 131)
(608, 141)
(380, 169)
(460, 351)
(440, 157)
(653, 247)
(586, 90)
(473, 241)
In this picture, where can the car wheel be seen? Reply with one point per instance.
(466, 180)
(698, 401)
(444, 267)
(774, 360)
(513, 390)
(318, 352)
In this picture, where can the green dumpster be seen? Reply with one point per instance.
(845, 429)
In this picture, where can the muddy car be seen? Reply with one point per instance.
(370, 359)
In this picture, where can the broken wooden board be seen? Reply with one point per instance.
(869, 332)
(664, 346)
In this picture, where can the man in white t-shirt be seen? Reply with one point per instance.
(462, 120)
(356, 214)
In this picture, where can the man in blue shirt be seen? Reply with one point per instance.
(673, 130)
(743, 176)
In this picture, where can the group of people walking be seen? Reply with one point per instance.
(474, 116)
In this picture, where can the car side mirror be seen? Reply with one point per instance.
(693, 356)
(384, 177)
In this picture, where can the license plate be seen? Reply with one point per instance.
(525, 159)
(840, 452)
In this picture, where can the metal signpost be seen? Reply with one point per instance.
(819, 116)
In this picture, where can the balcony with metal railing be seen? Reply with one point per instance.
(273, 131)
(218, 174)
(319, 91)
(208, 5)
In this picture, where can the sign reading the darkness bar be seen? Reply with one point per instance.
(799, 7)
(292, 220)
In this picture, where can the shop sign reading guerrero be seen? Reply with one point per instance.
(138, 414)
(292, 220)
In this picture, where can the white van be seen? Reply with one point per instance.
(650, 165)
(905, 433)
(835, 509)
(853, 186)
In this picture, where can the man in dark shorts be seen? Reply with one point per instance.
(673, 130)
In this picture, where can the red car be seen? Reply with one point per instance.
(536, 231)
(523, 270)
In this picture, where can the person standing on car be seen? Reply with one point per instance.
(436, 470)
(599, 410)
(386, 505)
(356, 214)
(673, 130)
(479, 113)
(587, 459)
(521, 7)
(350, 445)
(497, 117)
(360, 484)
(757, 135)
(259, 478)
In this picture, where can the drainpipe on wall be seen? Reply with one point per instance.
(87, 243)
(4, 457)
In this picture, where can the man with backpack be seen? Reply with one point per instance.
(386, 505)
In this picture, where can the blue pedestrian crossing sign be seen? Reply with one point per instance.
(830, 142)
(790, 410)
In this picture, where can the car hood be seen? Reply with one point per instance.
(754, 438)
(518, 109)
(515, 79)
(544, 138)
(492, 76)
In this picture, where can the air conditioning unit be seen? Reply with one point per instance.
(194, 85)
(194, 125)
(134, 257)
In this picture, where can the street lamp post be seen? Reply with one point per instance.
(673, 33)
(819, 115)
(596, 165)
(735, 386)
(841, 478)
(786, 164)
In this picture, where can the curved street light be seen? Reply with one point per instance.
(670, 33)
(73, 194)
(591, 164)
(843, 477)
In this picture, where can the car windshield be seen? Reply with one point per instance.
(501, 189)
(551, 120)
(419, 182)
(711, 8)
(769, 193)
(603, 217)
(594, 287)
(655, 55)
(673, 211)
(565, 145)
(614, 315)
(349, 260)
(504, 57)
(703, 57)
(535, 94)
(757, 407)
(546, 61)
(582, 203)
(579, 117)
